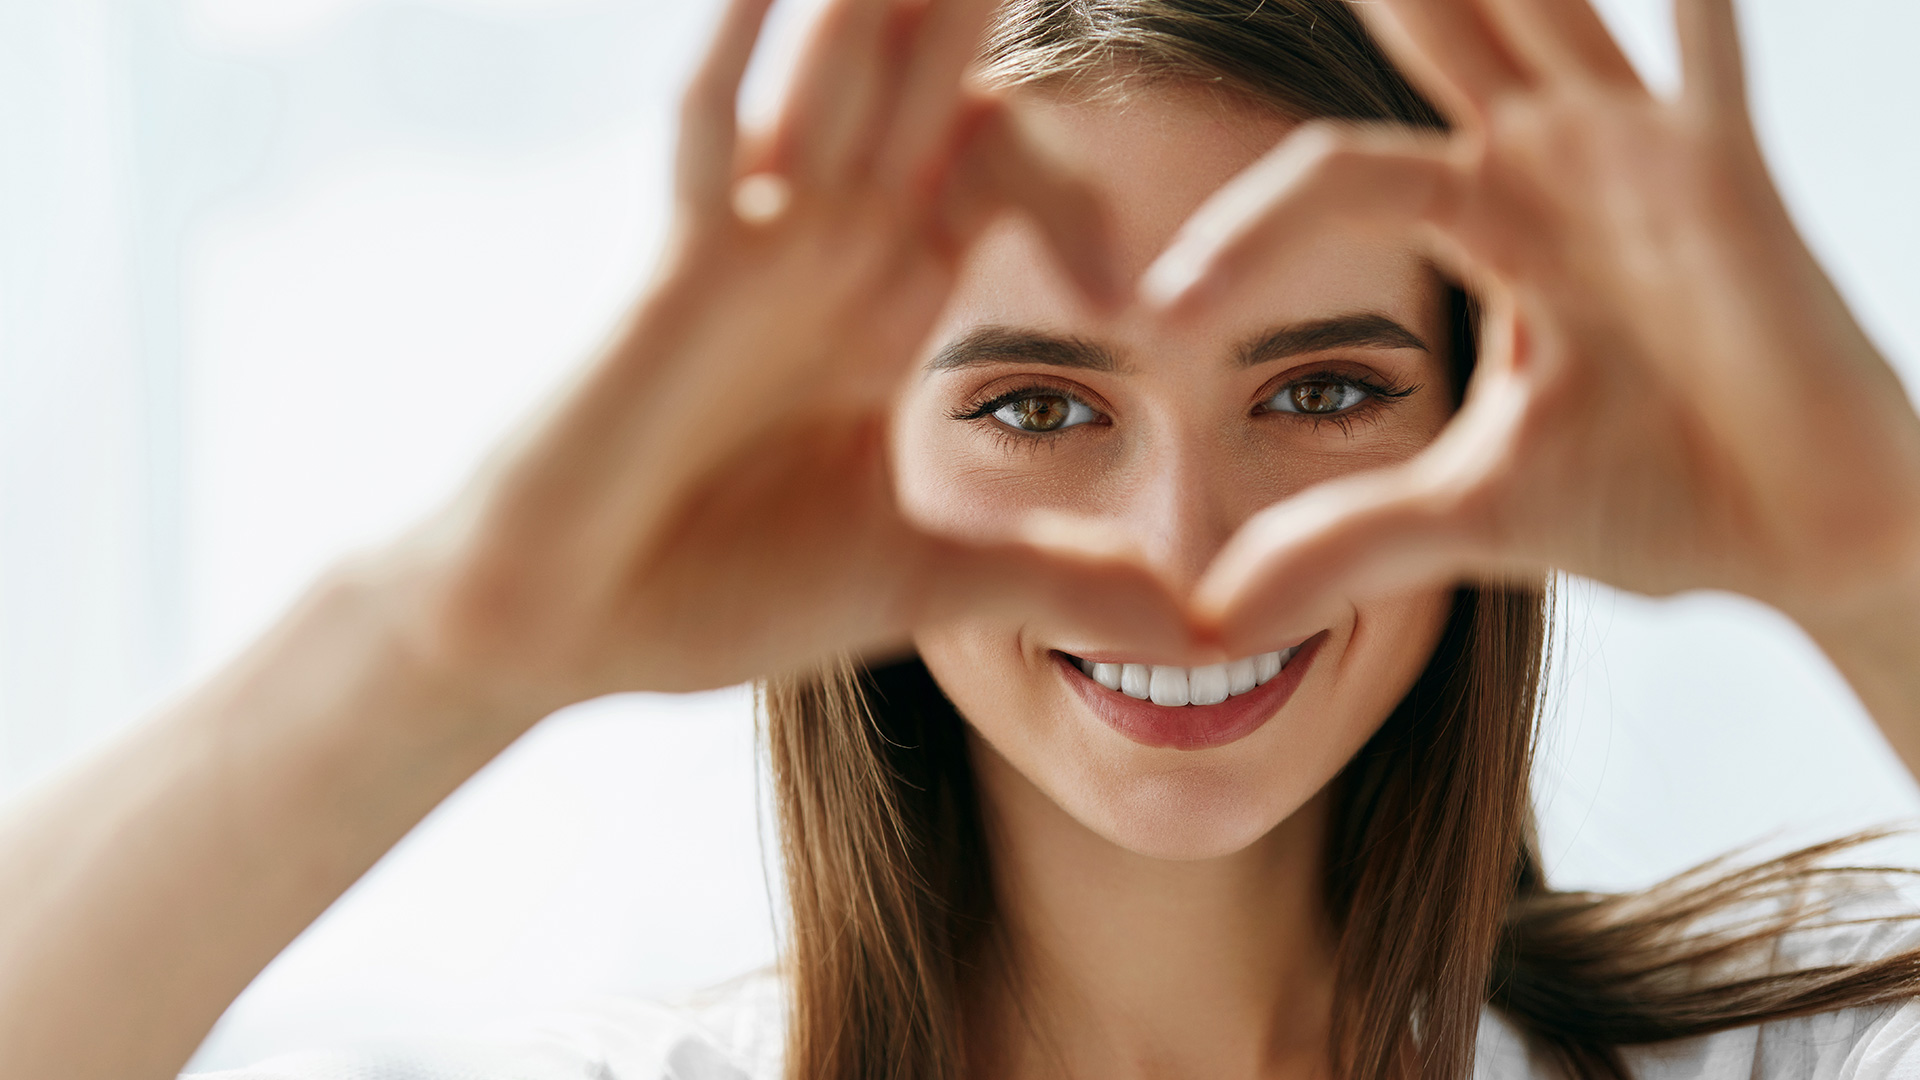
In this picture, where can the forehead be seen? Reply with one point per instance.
(1154, 156)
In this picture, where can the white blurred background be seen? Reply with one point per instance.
(273, 273)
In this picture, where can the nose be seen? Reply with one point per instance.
(1182, 501)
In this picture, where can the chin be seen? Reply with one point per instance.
(1167, 762)
(1185, 815)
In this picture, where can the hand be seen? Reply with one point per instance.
(712, 502)
(1670, 393)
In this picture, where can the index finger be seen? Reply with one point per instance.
(709, 108)
(1450, 50)
(948, 36)
(1564, 39)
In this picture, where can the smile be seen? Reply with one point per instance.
(1171, 686)
(1169, 707)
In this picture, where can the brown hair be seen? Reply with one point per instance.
(1432, 879)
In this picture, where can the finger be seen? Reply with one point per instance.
(709, 109)
(1563, 39)
(1714, 71)
(1066, 578)
(1321, 176)
(1294, 566)
(1436, 519)
(947, 36)
(1001, 167)
(1449, 49)
(837, 92)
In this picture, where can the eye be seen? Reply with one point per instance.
(1319, 397)
(1043, 412)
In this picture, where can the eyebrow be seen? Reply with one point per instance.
(1004, 345)
(1001, 345)
(1359, 331)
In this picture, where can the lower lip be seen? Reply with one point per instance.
(1191, 727)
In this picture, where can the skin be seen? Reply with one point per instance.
(1672, 397)
(1165, 903)
(1177, 461)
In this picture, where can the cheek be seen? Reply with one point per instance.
(960, 479)
(1391, 642)
(919, 482)
(1010, 698)
(981, 668)
(932, 476)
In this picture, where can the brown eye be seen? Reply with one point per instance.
(1043, 412)
(1317, 397)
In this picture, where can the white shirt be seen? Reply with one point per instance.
(738, 1038)
(735, 1033)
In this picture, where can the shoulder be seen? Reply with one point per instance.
(1865, 918)
(732, 1032)
(1868, 1043)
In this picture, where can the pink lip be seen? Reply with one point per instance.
(1191, 727)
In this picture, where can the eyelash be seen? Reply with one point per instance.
(1380, 395)
(1012, 439)
(980, 410)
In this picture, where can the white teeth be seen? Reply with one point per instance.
(1207, 685)
(1240, 676)
(1169, 685)
(1266, 666)
(1165, 684)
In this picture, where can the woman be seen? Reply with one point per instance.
(1178, 748)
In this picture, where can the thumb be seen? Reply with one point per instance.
(1294, 565)
(1442, 516)
(1065, 578)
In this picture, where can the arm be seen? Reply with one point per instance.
(1878, 651)
(1670, 395)
(141, 893)
(709, 503)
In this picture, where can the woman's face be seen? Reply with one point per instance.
(1029, 401)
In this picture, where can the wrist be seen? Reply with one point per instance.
(370, 620)
(1874, 641)
(1872, 605)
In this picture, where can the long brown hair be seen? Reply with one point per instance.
(1432, 879)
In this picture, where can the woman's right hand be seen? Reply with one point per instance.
(711, 503)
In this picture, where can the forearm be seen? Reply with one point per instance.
(141, 893)
(1877, 649)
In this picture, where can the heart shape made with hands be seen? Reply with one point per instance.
(1669, 393)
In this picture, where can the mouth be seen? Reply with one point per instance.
(1169, 707)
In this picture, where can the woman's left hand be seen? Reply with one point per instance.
(1670, 393)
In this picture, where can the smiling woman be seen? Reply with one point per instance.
(1094, 761)
(1150, 677)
